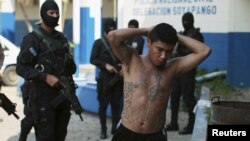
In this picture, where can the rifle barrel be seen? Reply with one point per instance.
(16, 116)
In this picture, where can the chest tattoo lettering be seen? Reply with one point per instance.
(156, 90)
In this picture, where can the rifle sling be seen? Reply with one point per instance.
(109, 50)
(42, 38)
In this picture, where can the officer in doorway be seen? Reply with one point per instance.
(109, 82)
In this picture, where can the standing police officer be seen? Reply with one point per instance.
(136, 42)
(102, 57)
(43, 59)
(185, 84)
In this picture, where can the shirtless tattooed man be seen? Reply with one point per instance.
(148, 79)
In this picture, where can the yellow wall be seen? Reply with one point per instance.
(32, 10)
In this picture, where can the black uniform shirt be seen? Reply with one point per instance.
(100, 56)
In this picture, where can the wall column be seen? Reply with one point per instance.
(7, 19)
(86, 28)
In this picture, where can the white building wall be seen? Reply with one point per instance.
(33, 12)
(239, 16)
(7, 6)
(210, 15)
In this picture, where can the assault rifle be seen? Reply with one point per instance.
(68, 88)
(7, 105)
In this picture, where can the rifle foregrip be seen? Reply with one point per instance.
(16, 116)
(68, 90)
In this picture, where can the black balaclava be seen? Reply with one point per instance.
(49, 20)
(188, 21)
(134, 23)
(109, 25)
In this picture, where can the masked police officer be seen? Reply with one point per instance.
(185, 84)
(109, 82)
(43, 59)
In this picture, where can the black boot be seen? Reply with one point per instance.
(172, 126)
(113, 130)
(190, 126)
(26, 126)
(186, 130)
(114, 126)
(103, 134)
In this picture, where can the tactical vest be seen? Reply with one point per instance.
(53, 56)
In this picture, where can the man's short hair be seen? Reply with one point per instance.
(165, 33)
(133, 22)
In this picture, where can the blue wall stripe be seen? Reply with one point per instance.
(7, 25)
(218, 42)
(68, 28)
(86, 34)
(77, 58)
(239, 59)
(84, 14)
(90, 40)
